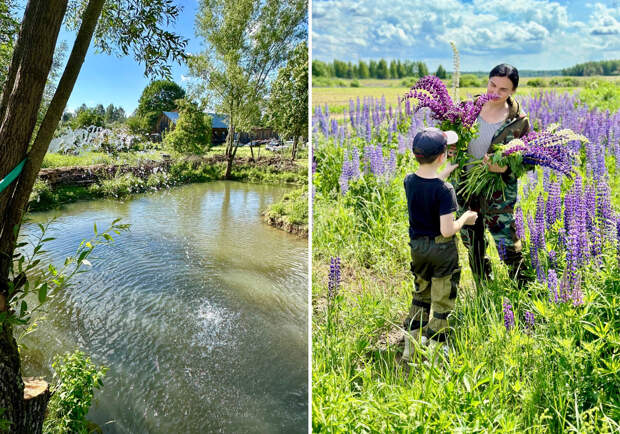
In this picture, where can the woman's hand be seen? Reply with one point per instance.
(493, 167)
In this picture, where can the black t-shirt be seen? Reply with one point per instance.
(427, 199)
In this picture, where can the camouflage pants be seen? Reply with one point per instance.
(495, 214)
(435, 266)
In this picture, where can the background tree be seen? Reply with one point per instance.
(319, 69)
(422, 69)
(362, 70)
(192, 133)
(158, 96)
(246, 42)
(393, 69)
(382, 69)
(9, 27)
(441, 72)
(87, 118)
(287, 110)
(372, 68)
(129, 26)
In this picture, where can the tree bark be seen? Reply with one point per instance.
(20, 104)
(294, 151)
(36, 397)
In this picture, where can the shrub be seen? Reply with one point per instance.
(602, 94)
(469, 80)
(409, 81)
(77, 378)
(536, 82)
(87, 118)
(564, 82)
(192, 133)
(355, 83)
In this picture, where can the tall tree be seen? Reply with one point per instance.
(246, 42)
(362, 70)
(441, 72)
(287, 110)
(158, 96)
(129, 25)
(382, 69)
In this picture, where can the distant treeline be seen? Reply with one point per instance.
(381, 69)
(373, 69)
(602, 67)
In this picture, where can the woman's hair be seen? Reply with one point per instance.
(505, 70)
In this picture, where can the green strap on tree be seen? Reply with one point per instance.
(4, 183)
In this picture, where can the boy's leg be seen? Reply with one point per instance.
(444, 286)
(421, 300)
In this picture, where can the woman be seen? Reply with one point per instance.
(500, 121)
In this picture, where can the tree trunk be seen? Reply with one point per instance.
(294, 152)
(231, 150)
(21, 101)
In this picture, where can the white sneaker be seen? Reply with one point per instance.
(409, 345)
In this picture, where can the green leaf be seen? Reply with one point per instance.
(43, 293)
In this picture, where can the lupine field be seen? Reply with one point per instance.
(543, 358)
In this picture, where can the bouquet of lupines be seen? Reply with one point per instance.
(545, 149)
(431, 92)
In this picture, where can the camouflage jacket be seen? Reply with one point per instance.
(516, 125)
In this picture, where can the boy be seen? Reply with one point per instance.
(434, 257)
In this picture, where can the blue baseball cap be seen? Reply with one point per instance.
(432, 141)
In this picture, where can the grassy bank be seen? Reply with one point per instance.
(558, 373)
(291, 212)
(274, 170)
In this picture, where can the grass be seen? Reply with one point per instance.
(292, 209)
(559, 376)
(53, 160)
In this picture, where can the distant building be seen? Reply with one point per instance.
(166, 121)
(219, 128)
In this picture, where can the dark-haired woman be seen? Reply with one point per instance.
(500, 121)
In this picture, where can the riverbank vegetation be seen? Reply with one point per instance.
(291, 212)
(542, 358)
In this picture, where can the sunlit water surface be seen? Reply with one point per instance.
(200, 312)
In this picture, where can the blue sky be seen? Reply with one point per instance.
(530, 34)
(111, 80)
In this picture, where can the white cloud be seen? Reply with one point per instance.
(537, 34)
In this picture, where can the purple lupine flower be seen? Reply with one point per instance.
(552, 284)
(509, 316)
(333, 284)
(501, 250)
(529, 320)
(577, 295)
(520, 231)
(402, 144)
(553, 258)
(540, 224)
(345, 176)
(355, 163)
(554, 203)
(391, 165)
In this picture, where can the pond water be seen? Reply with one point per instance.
(199, 311)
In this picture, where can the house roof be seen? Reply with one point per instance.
(218, 120)
(173, 116)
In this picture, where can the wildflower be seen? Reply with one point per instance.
(501, 250)
(333, 284)
(520, 231)
(552, 284)
(509, 316)
(529, 319)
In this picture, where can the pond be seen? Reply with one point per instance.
(199, 311)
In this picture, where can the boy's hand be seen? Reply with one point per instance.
(470, 217)
(447, 170)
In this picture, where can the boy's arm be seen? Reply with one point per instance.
(448, 226)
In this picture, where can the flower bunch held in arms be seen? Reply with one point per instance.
(432, 93)
(545, 149)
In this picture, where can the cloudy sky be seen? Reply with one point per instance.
(531, 34)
